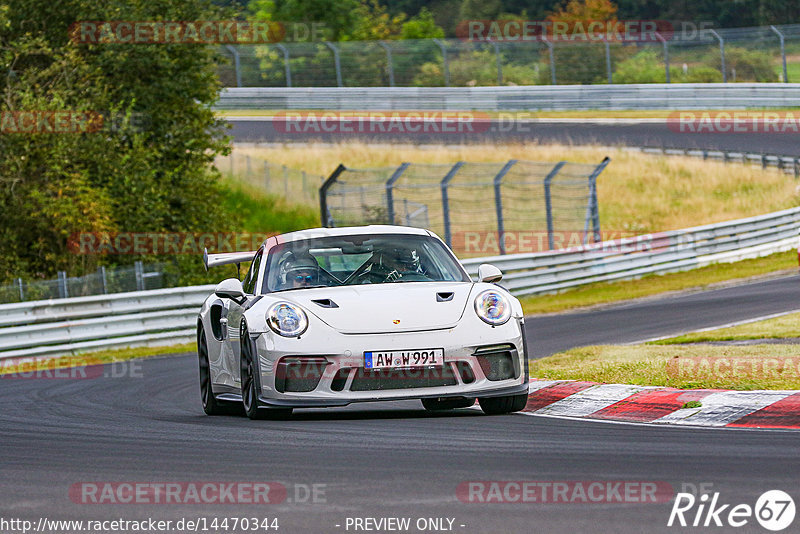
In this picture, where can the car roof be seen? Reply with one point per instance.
(350, 230)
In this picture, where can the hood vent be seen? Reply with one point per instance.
(325, 303)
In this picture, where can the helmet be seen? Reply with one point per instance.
(402, 259)
(294, 264)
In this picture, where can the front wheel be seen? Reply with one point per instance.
(501, 405)
(211, 405)
(250, 384)
(438, 405)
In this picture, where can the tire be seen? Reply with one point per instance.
(250, 384)
(438, 405)
(501, 405)
(211, 406)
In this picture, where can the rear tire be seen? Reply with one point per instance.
(439, 405)
(251, 384)
(211, 406)
(502, 405)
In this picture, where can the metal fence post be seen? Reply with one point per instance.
(666, 56)
(448, 235)
(248, 166)
(325, 216)
(138, 269)
(721, 54)
(103, 280)
(592, 210)
(287, 67)
(446, 64)
(608, 61)
(390, 191)
(389, 65)
(548, 205)
(236, 65)
(498, 204)
(336, 62)
(783, 53)
(63, 291)
(285, 180)
(266, 175)
(550, 47)
(21, 291)
(499, 63)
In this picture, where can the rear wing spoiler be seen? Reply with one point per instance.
(225, 258)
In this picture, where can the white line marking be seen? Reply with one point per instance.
(708, 329)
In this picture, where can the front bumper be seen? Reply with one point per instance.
(326, 368)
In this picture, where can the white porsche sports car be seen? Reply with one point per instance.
(332, 316)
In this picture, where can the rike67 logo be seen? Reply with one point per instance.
(774, 510)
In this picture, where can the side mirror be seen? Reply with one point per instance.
(230, 289)
(489, 273)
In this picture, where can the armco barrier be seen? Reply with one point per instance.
(167, 316)
(516, 98)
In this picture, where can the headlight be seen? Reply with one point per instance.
(493, 307)
(287, 319)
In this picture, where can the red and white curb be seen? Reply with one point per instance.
(660, 405)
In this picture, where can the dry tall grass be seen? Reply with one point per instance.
(638, 193)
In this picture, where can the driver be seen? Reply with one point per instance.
(398, 262)
(300, 271)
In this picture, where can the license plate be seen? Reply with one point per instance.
(403, 358)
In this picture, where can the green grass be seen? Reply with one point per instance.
(607, 293)
(785, 326)
(18, 365)
(261, 212)
(679, 366)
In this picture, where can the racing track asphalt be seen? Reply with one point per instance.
(385, 459)
(628, 133)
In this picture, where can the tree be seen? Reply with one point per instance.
(421, 26)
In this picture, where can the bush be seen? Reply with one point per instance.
(747, 65)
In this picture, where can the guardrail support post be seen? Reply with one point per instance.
(666, 55)
(103, 282)
(21, 291)
(448, 235)
(286, 66)
(499, 63)
(721, 54)
(336, 62)
(498, 204)
(552, 60)
(446, 64)
(63, 291)
(592, 210)
(138, 270)
(783, 53)
(608, 62)
(390, 191)
(326, 219)
(548, 204)
(236, 64)
(389, 65)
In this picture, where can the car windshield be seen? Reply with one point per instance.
(360, 259)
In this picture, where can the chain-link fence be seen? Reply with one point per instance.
(764, 54)
(297, 185)
(477, 208)
(138, 277)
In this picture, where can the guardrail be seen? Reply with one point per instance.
(167, 316)
(787, 164)
(516, 98)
